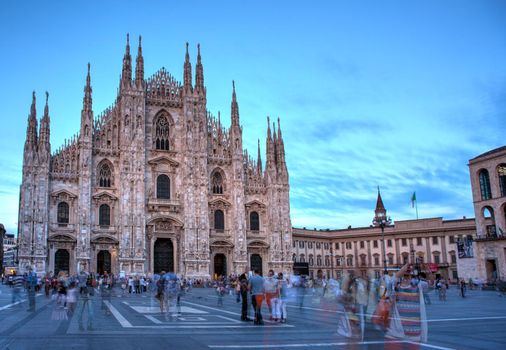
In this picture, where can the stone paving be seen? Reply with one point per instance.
(134, 322)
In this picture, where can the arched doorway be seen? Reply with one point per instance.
(163, 257)
(220, 265)
(256, 263)
(103, 262)
(61, 261)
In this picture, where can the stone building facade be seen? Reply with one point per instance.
(488, 183)
(153, 183)
(428, 243)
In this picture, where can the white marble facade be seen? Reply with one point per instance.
(154, 182)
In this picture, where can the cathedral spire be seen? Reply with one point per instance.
(199, 74)
(87, 101)
(234, 107)
(187, 72)
(87, 112)
(259, 160)
(45, 128)
(269, 163)
(139, 66)
(126, 72)
(31, 130)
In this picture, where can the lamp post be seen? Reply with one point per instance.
(381, 220)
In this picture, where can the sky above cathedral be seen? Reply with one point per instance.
(396, 94)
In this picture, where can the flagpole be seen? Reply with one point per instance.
(416, 208)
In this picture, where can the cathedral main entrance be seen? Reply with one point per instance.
(256, 263)
(163, 255)
(103, 262)
(61, 261)
(220, 265)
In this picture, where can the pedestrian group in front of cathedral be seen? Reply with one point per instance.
(393, 305)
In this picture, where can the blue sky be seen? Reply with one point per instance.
(399, 94)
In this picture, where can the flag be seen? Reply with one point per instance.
(413, 199)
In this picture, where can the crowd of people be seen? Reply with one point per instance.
(394, 304)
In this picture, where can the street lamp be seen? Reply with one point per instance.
(381, 220)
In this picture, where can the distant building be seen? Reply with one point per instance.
(488, 183)
(9, 242)
(430, 244)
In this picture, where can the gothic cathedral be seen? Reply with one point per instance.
(153, 183)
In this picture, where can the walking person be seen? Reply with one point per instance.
(31, 283)
(85, 296)
(425, 288)
(160, 292)
(271, 290)
(256, 287)
(280, 300)
(17, 285)
(462, 288)
(243, 284)
(408, 316)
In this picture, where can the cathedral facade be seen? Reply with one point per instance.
(153, 183)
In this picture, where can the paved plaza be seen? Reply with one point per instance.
(134, 322)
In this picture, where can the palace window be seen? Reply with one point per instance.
(63, 213)
(302, 259)
(327, 261)
(163, 187)
(435, 240)
(319, 260)
(405, 258)
(104, 175)
(162, 133)
(349, 260)
(404, 242)
(361, 244)
(452, 239)
(453, 257)
(348, 245)
(389, 242)
(104, 215)
(485, 184)
(217, 183)
(318, 245)
(390, 259)
(301, 244)
(338, 261)
(219, 220)
(337, 245)
(310, 245)
(418, 240)
(501, 173)
(375, 244)
(437, 258)
(376, 260)
(254, 221)
(311, 260)
(363, 261)
(294, 258)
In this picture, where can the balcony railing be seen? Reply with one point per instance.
(154, 204)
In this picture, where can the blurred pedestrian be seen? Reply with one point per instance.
(31, 283)
(256, 287)
(86, 300)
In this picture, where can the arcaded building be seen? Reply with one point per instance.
(155, 182)
(488, 183)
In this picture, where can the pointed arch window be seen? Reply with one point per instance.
(219, 220)
(63, 213)
(163, 187)
(104, 175)
(104, 215)
(162, 133)
(501, 172)
(254, 221)
(485, 184)
(217, 183)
